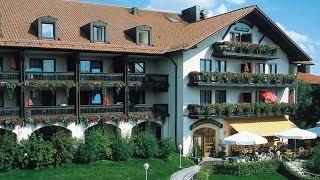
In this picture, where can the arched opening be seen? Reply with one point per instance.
(151, 127)
(47, 132)
(4, 131)
(109, 129)
(204, 141)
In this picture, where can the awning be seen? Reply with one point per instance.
(261, 126)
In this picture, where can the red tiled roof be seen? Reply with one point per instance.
(309, 78)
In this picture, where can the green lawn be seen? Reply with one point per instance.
(265, 176)
(131, 169)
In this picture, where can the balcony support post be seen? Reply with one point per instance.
(77, 81)
(126, 87)
(22, 80)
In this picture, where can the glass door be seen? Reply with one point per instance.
(197, 146)
(208, 145)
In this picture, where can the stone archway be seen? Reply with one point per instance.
(151, 127)
(47, 132)
(109, 129)
(5, 131)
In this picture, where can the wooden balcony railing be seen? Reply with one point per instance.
(149, 80)
(9, 111)
(240, 79)
(50, 110)
(57, 76)
(244, 50)
(196, 111)
(141, 108)
(101, 76)
(93, 109)
(9, 75)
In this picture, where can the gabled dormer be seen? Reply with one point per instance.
(47, 27)
(96, 31)
(142, 35)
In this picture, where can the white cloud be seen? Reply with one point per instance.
(238, 2)
(221, 9)
(293, 34)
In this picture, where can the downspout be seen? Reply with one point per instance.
(175, 99)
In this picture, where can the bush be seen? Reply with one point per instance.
(121, 148)
(145, 145)
(8, 152)
(96, 147)
(204, 173)
(64, 149)
(35, 153)
(167, 147)
(313, 163)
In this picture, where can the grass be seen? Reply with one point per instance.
(265, 176)
(130, 170)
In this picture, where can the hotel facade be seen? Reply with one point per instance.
(68, 66)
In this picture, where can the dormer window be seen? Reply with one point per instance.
(96, 31)
(47, 27)
(142, 35)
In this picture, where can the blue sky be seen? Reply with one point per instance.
(299, 19)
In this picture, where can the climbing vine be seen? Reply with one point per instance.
(51, 85)
(11, 86)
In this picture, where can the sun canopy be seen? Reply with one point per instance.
(315, 130)
(261, 126)
(296, 133)
(244, 138)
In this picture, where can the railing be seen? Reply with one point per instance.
(303, 171)
(240, 79)
(141, 108)
(9, 75)
(9, 111)
(50, 110)
(150, 80)
(244, 50)
(62, 76)
(101, 76)
(240, 109)
(90, 109)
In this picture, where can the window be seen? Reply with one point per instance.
(98, 34)
(1, 99)
(243, 65)
(47, 30)
(259, 98)
(96, 98)
(273, 68)
(91, 66)
(220, 66)
(42, 65)
(260, 68)
(136, 67)
(1, 64)
(144, 37)
(246, 38)
(221, 96)
(246, 97)
(205, 97)
(44, 98)
(235, 37)
(137, 97)
(172, 19)
(205, 65)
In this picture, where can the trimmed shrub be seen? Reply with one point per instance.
(121, 148)
(64, 149)
(145, 145)
(167, 147)
(96, 147)
(313, 163)
(35, 153)
(8, 152)
(204, 172)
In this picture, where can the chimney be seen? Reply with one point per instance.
(191, 14)
(204, 14)
(135, 11)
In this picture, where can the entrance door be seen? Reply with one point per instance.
(204, 143)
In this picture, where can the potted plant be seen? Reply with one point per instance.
(193, 109)
(222, 153)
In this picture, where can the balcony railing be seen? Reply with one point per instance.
(9, 111)
(56, 76)
(149, 80)
(160, 110)
(101, 76)
(50, 110)
(9, 75)
(244, 50)
(90, 109)
(229, 79)
(196, 111)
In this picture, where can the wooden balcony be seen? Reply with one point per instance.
(49, 76)
(101, 77)
(244, 50)
(213, 79)
(50, 110)
(9, 111)
(93, 109)
(149, 80)
(9, 75)
(160, 110)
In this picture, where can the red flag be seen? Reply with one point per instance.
(107, 102)
(29, 101)
(246, 68)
